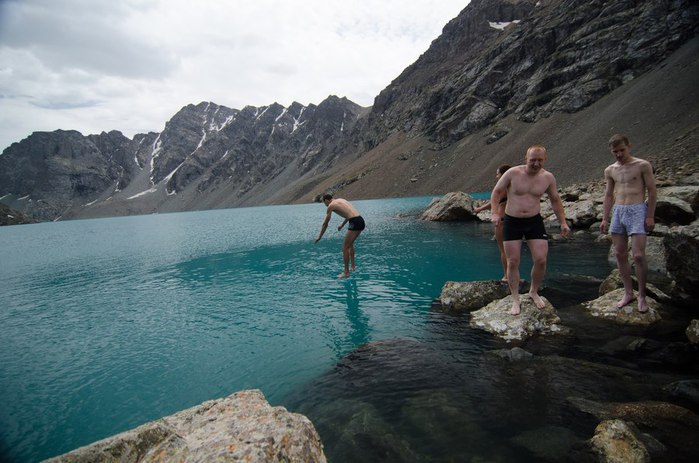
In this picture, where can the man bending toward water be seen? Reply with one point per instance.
(523, 186)
(627, 181)
(344, 209)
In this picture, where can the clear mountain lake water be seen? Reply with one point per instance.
(106, 324)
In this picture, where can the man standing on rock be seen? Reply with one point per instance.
(627, 181)
(346, 210)
(524, 186)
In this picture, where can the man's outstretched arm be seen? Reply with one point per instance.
(325, 225)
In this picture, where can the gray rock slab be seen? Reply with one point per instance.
(496, 319)
(605, 307)
(240, 427)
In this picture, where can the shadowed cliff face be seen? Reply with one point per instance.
(504, 74)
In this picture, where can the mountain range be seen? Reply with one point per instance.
(503, 75)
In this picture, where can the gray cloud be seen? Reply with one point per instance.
(129, 65)
(90, 36)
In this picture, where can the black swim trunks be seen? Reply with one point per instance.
(531, 228)
(356, 223)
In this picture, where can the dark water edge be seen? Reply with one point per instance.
(451, 398)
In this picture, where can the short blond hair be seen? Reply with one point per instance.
(618, 139)
(537, 147)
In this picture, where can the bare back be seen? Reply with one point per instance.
(524, 191)
(343, 208)
(629, 180)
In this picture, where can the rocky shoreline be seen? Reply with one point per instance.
(627, 431)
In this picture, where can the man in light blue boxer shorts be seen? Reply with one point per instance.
(629, 219)
(627, 181)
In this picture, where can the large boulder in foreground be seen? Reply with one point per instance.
(240, 427)
(605, 307)
(496, 318)
(465, 296)
(454, 206)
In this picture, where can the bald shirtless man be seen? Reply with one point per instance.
(524, 185)
(627, 181)
(344, 209)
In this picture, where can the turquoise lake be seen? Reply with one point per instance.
(106, 324)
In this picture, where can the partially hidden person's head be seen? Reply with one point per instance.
(501, 170)
(620, 147)
(535, 158)
(327, 198)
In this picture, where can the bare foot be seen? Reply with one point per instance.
(503, 278)
(642, 305)
(538, 302)
(515, 308)
(343, 275)
(625, 300)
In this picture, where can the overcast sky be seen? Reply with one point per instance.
(130, 65)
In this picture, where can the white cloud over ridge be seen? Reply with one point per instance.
(130, 65)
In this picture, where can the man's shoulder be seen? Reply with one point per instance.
(515, 171)
(642, 162)
(548, 175)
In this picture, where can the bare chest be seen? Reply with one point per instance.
(627, 175)
(524, 185)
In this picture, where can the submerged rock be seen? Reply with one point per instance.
(516, 354)
(496, 318)
(618, 441)
(549, 443)
(671, 428)
(693, 331)
(685, 392)
(605, 307)
(240, 427)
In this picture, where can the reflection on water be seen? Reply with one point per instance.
(360, 330)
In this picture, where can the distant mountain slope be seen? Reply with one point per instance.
(207, 156)
(504, 74)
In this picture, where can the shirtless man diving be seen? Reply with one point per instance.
(627, 181)
(346, 210)
(524, 185)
